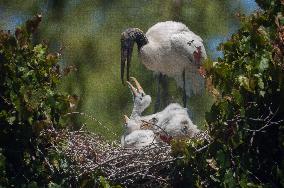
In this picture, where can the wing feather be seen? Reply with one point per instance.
(186, 44)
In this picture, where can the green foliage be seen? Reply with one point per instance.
(105, 184)
(246, 121)
(31, 110)
(29, 102)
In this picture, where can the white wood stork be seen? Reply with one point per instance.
(169, 48)
(140, 131)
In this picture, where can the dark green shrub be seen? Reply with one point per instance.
(29, 102)
(246, 120)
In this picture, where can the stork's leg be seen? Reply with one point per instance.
(184, 91)
(158, 100)
(165, 91)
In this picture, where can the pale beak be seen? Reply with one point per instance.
(133, 89)
(139, 88)
(126, 119)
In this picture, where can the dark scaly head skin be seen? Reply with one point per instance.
(128, 37)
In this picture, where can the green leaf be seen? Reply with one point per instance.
(260, 83)
(104, 183)
(263, 64)
(281, 20)
(229, 180)
(53, 185)
(244, 82)
(11, 120)
(262, 93)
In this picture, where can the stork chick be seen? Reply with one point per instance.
(137, 138)
(172, 122)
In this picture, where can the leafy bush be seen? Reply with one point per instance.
(246, 120)
(29, 102)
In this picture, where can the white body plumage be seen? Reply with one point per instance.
(138, 139)
(170, 51)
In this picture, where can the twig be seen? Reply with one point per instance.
(45, 159)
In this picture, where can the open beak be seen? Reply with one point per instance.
(126, 53)
(138, 86)
(133, 89)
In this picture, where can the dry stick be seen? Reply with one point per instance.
(268, 123)
(155, 177)
(141, 165)
(156, 163)
(45, 159)
(135, 154)
(5, 100)
(139, 153)
(140, 171)
(28, 181)
(204, 147)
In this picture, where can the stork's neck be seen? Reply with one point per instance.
(140, 38)
(136, 112)
(136, 35)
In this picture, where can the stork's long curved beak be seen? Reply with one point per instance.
(126, 53)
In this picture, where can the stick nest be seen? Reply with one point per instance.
(90, 153)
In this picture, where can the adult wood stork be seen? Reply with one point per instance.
(168, 48)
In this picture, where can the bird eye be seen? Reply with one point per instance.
(154, 120)
(185, 129)
(142, 94)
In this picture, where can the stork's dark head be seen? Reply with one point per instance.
(128, 37)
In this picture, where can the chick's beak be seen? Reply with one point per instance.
(126, 53)
(138, 86)
(133, 89)
(126, 119)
